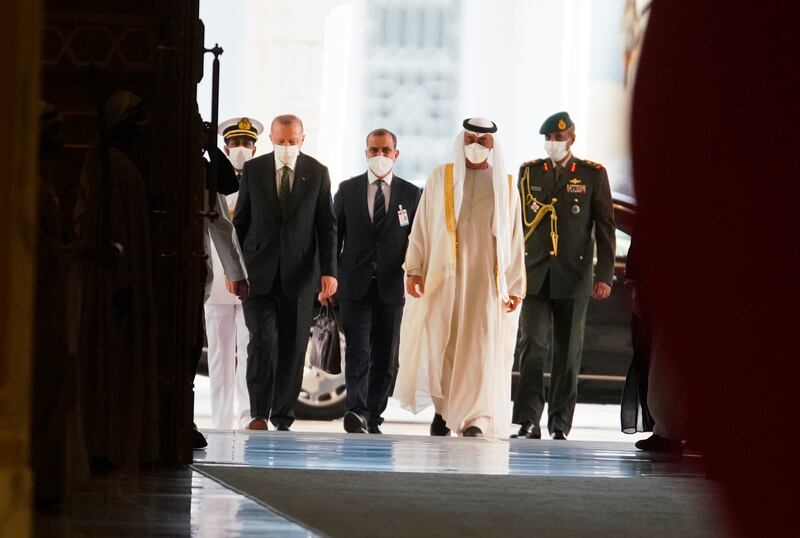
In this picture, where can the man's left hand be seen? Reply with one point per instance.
(601, 291)
(513, 303)
(328, 285)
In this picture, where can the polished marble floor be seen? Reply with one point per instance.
(423, 454)
(184, 502)
(177, 502)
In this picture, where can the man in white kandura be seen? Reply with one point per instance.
(465, 271)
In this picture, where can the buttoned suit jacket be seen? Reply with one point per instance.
(585, 214)
(300, 242)
(363, 249)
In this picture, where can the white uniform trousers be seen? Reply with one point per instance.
(227, 365)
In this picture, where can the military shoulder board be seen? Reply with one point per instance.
(531, 163)
(595, 165)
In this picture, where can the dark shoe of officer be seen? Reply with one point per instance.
(529, 430)
(558, 435)
(282, 428)
(198, 440)
(354, 423)
(439, 427)
(656, 443)
(473, 431)
(374, 428)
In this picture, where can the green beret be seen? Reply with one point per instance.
(560, 121)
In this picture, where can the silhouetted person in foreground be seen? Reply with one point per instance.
(715, 115)
(117, 341)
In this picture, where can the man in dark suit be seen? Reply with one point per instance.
(285, 223)
(374, 212)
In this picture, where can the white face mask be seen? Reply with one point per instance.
(239, 155)
(556, 150)
(476, 153)
(380, 165)
(287, 154)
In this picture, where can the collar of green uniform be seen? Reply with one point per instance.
(569, 161)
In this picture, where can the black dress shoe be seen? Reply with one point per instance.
(374, 428)
(354, 423)
(473, 431)
(528, 430)
(439, 427)
(198, 440)
(282, 428)
(558, 435)
(656, 443)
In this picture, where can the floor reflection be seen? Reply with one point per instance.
(184, 502)
(404, 453)
(180, 502)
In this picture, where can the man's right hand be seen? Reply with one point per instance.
(243, 289)
(415, 286)
(239, 288)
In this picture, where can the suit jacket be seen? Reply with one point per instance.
(364, 250)
(301, 242)
(585, 214)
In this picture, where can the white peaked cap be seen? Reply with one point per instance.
(240, 126)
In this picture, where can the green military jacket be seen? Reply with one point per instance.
(581, 201)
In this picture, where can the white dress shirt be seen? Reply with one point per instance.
(372, 188)
(279, 172)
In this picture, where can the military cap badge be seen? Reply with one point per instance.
(240, 126)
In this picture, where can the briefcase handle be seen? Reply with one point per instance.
(326, 311)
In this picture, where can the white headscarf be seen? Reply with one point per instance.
(501, 220)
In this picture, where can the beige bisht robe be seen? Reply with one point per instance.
(457, 341)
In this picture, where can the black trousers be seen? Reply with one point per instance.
(279, 328)
(549, 327)
(372, 333)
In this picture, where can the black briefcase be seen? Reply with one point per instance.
(325, 349)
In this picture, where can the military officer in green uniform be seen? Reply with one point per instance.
(566, 212)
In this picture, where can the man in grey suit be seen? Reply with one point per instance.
(285, 222)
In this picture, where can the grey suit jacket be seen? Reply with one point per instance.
(221, 232)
